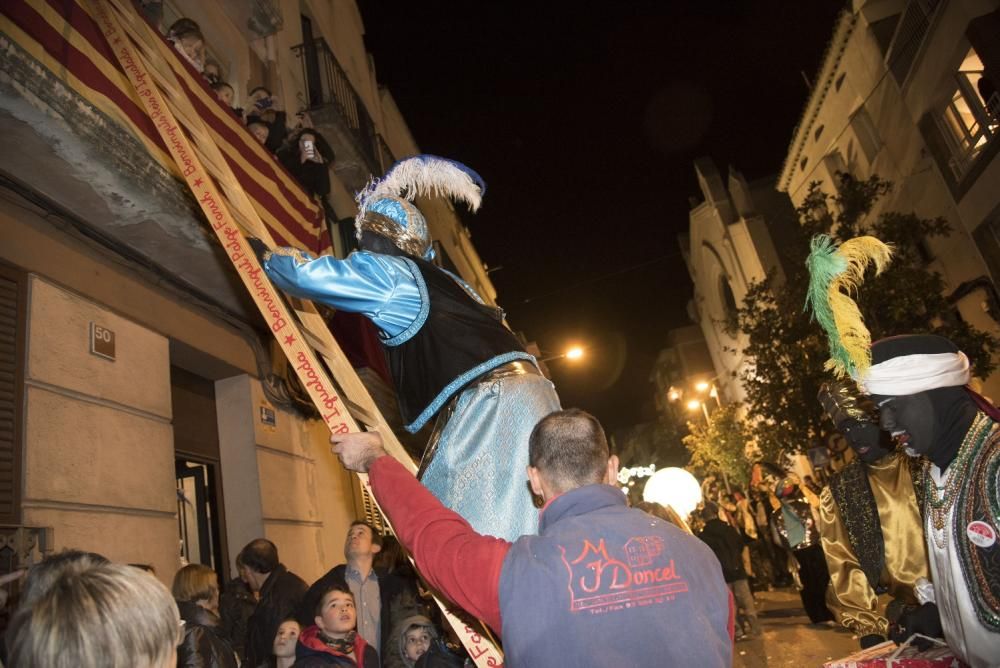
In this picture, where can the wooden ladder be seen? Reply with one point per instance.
(299, 330)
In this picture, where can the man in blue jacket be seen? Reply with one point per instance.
(601, 585)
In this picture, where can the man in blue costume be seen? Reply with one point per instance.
(450, 355)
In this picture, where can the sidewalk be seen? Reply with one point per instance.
(790, 641)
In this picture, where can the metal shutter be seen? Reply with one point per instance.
(13, 302)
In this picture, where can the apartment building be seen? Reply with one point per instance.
(908, 91)
(144, 413)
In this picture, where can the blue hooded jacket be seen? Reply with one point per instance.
(624, 589)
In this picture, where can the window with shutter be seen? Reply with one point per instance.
(13, 303)
(909, 37)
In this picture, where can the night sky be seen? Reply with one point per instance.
(584, 120)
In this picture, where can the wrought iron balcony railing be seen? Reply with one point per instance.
(327, 84)
(22, 546)
(385, 155)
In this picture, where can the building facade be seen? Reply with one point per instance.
(732, 242)
(908, 91)
(144, 413)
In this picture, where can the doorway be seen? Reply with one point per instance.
(200, 513)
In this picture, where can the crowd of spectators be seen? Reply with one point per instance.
(79, 609)
(300, 148)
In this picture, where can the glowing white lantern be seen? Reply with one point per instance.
(673, 487)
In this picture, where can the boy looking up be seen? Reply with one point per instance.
(333, 640)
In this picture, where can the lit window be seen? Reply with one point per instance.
(970, 117)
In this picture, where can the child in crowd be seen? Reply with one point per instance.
(186, 37)
(212, 72)
(285, 642)
(263, 107)
(224, 92)
(260, 131)
(333, 640)
(415, 635)
(226, 95)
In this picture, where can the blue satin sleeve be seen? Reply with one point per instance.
(381, 287)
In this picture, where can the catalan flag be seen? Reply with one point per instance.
(63, 37)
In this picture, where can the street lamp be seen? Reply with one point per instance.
(572, 353)
(695, 404)
(701, 387)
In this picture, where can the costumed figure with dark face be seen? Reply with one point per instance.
(918, 383)
(791, 517)
(870, 519)
(451, 356)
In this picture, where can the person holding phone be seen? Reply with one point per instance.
(308, 157)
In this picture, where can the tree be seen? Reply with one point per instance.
(654, 442)
(787, 349)
(719, 446)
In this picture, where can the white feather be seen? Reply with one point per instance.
(424, 176)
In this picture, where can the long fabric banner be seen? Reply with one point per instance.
(282, 322)
(64, 38)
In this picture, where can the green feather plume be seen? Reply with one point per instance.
(834, 273)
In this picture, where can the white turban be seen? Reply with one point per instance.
(910, 374)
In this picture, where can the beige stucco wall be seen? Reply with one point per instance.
(281, 482)
(725, 246)
(901, 155)
(99, 451)
(98, 441)
(711, 259)
(38, 245)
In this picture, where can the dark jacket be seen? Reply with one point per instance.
(202, 646)
(314, 177)
(441, 655)
(279, 598)
(459, 339)
(236, 604)
(727, 545)
(312, 651)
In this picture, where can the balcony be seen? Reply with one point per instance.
(77, 144)
(910, 33)
(21, 546)
(339, 113)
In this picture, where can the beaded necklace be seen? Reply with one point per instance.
(940, 507)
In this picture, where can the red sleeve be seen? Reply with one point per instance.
(454, 559)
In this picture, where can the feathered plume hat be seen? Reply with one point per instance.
(835, 272)
(385, 206)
